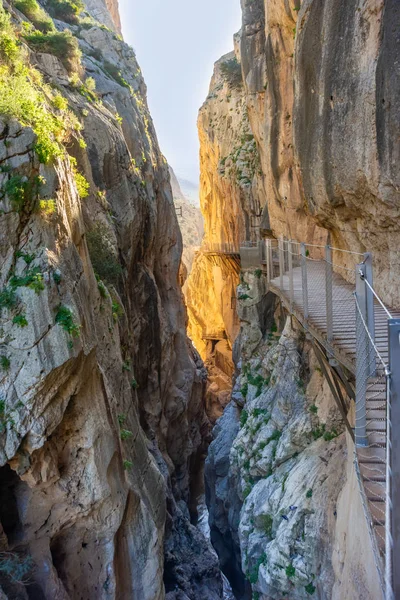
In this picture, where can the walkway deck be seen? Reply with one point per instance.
(372, 459)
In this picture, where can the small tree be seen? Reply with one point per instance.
(232, 72)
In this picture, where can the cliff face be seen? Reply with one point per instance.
(230, 192)
(102, 414)
(105, 11)
(322, 83)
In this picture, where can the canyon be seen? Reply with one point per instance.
(137, 350)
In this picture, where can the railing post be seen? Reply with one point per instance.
(281, 262)
(393, 446)
(329, 293)
(362, 359)
(290, 260)
(304, 282)
(368, 275)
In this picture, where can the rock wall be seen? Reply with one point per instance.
(321, 82)
(101, 394)
(105, 11)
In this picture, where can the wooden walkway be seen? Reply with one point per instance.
(372, 459)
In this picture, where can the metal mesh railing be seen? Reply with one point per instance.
(373, 432)
(331, 292)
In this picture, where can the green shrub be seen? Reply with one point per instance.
(309, 493)
(104, 261)
(121, 419)
(134, 384)
(9, 50)
(244, 390)
(35, 13)
(32, 279)
(28, 258)
(313, 409)
(310, 588)
(232, 72)
(102, 289)
(290, 571)
(20, 191)
(247, 490)
(66, 10)
(63, 45)
(330, 435)
(20, 99)
(117, 311)
(20, 320)
(125, 434)
(8, 299)
(82, 185)
(5, 362)
(243, 418)
(252, 575)
(47, 207)
(59, 102)
(276, 435)
(114, 72)
(266, 522)
(127, 465)
(57, 277)
(65, 319)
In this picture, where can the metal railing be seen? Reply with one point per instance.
(332, 289)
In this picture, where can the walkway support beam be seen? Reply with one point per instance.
(393, 451)
(329, 293)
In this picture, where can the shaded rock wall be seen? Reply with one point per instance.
(102, 395)
(322, 82)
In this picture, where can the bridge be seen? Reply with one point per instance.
(226, 252)
(214, 335)
(356, 338)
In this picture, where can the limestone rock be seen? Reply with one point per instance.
(102, 395)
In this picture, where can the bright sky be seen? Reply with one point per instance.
(177, 43)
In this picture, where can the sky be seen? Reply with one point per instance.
(177, 43)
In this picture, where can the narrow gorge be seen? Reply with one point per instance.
(147, 358)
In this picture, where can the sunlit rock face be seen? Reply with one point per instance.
(102, 395)
(322, 83)
(105, 11)
(230, 195)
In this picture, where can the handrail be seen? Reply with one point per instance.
(319, 288)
